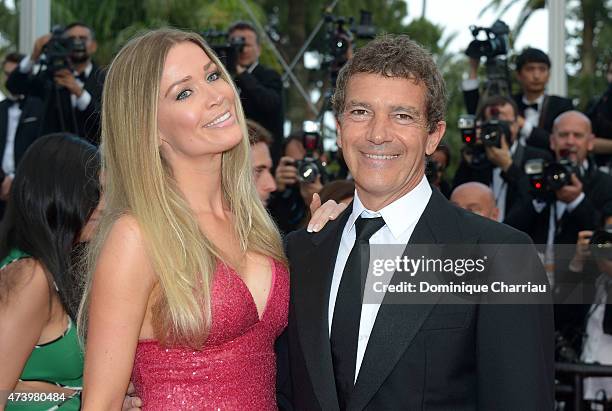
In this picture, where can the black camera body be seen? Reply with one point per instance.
(549, 177)
(228, 51)
(309, 168)
(601, 243)
(496, 43)
(492, 132)
(58, 50)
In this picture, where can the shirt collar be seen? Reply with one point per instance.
(538, 100)
(88, 69)
(401, 214)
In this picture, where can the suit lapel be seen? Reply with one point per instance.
(311, 304)
(397, 324)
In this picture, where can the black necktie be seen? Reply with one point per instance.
(524, 106)
(347, 311)
(81, 77)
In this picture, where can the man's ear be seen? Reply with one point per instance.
(338, 134)
(433, 139)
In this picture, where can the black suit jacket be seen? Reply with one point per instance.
(515, 177)
(59, 115)
(551, 108)
(433, 357)
(27, 129)
(261, 97)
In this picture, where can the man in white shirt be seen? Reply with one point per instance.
(348, 355)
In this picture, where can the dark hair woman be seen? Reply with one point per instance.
(55, 192)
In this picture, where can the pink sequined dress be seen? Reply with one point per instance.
(236, 368)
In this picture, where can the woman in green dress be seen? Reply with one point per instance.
(53, 196)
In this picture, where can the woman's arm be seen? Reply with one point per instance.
(24, 311)
(122, 283)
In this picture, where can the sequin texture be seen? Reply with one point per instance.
(236, 368)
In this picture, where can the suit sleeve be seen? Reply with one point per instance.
(26, 84)
(515, 342)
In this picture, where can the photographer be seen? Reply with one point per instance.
(537, 110)
(260, 87)
(290, 202)
(572, 194)
(69, 83)
(497, 134)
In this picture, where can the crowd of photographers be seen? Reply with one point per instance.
(528, 160)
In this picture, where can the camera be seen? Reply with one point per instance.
(57, 51)
(490, 134)
(495, 48)
(228, 51)
(309, 168)
(495, 44)
(492, 131)
(548, 177)
(601, 243)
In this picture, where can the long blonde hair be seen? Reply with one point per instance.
(138, 182)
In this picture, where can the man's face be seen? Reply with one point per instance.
(572, 136)
(383, 135)
(506, 113)
(250, 52)
(262, 166)
(82, 34)
(533, 77)
(295, 149)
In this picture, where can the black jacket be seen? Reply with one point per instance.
(427, 356)
(59, 115)
(261, 97)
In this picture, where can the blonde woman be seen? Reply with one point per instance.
(188, 286)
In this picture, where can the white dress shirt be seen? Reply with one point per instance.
(401, 216)
(500, 187)
(8, 157)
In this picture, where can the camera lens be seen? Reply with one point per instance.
(308, 172)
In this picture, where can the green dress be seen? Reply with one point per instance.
(58, 362)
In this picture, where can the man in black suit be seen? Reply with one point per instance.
(260, 87)
(72, 94)
(504, 170)
(19, 127)
(537, 110)
(345, 355)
